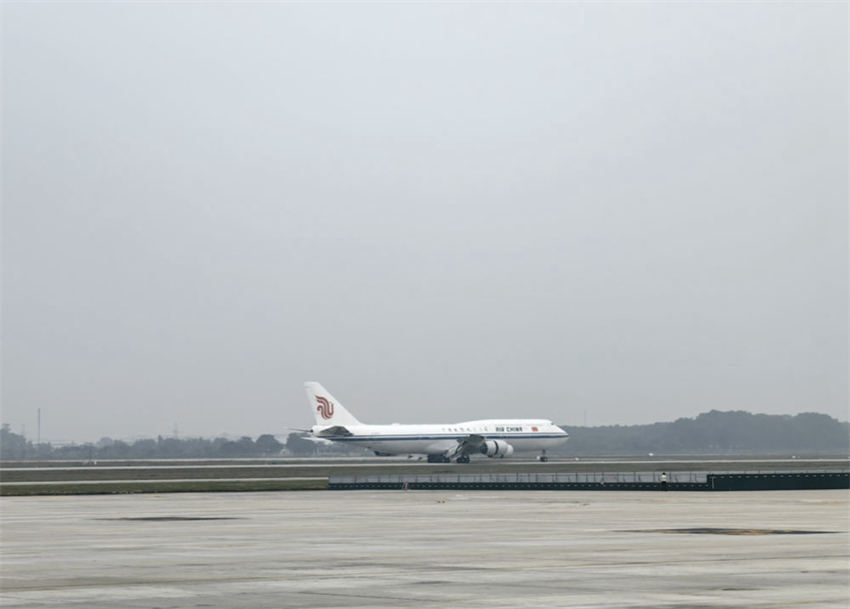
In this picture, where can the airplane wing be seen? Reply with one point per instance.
(470, 444)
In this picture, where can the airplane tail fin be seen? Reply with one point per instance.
(326, 408)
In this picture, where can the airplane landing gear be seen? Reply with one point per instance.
(543, 458)
(463, 459)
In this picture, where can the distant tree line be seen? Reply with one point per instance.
(715, 432)
(15, 447)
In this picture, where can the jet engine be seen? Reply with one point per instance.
(497, 448)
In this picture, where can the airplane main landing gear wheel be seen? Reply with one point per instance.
(464, 459)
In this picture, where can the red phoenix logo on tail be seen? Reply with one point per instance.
(325, 408)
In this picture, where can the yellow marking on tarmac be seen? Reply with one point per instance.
(360, 574)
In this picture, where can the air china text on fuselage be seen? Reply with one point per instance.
(497, 438)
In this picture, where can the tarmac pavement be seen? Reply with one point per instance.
(427, 548)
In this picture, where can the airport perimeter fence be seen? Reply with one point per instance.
(676, 481)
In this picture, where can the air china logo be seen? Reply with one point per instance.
(325, 408)
(534, 429)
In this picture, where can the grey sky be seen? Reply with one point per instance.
(439, 211)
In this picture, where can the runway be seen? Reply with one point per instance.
(428, 548)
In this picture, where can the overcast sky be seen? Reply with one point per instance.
(439, 211)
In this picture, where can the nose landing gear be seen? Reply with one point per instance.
(543, 458)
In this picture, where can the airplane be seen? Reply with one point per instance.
(495, 438)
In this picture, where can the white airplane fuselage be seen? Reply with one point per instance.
(525, 435)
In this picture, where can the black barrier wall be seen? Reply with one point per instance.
(780, 481)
